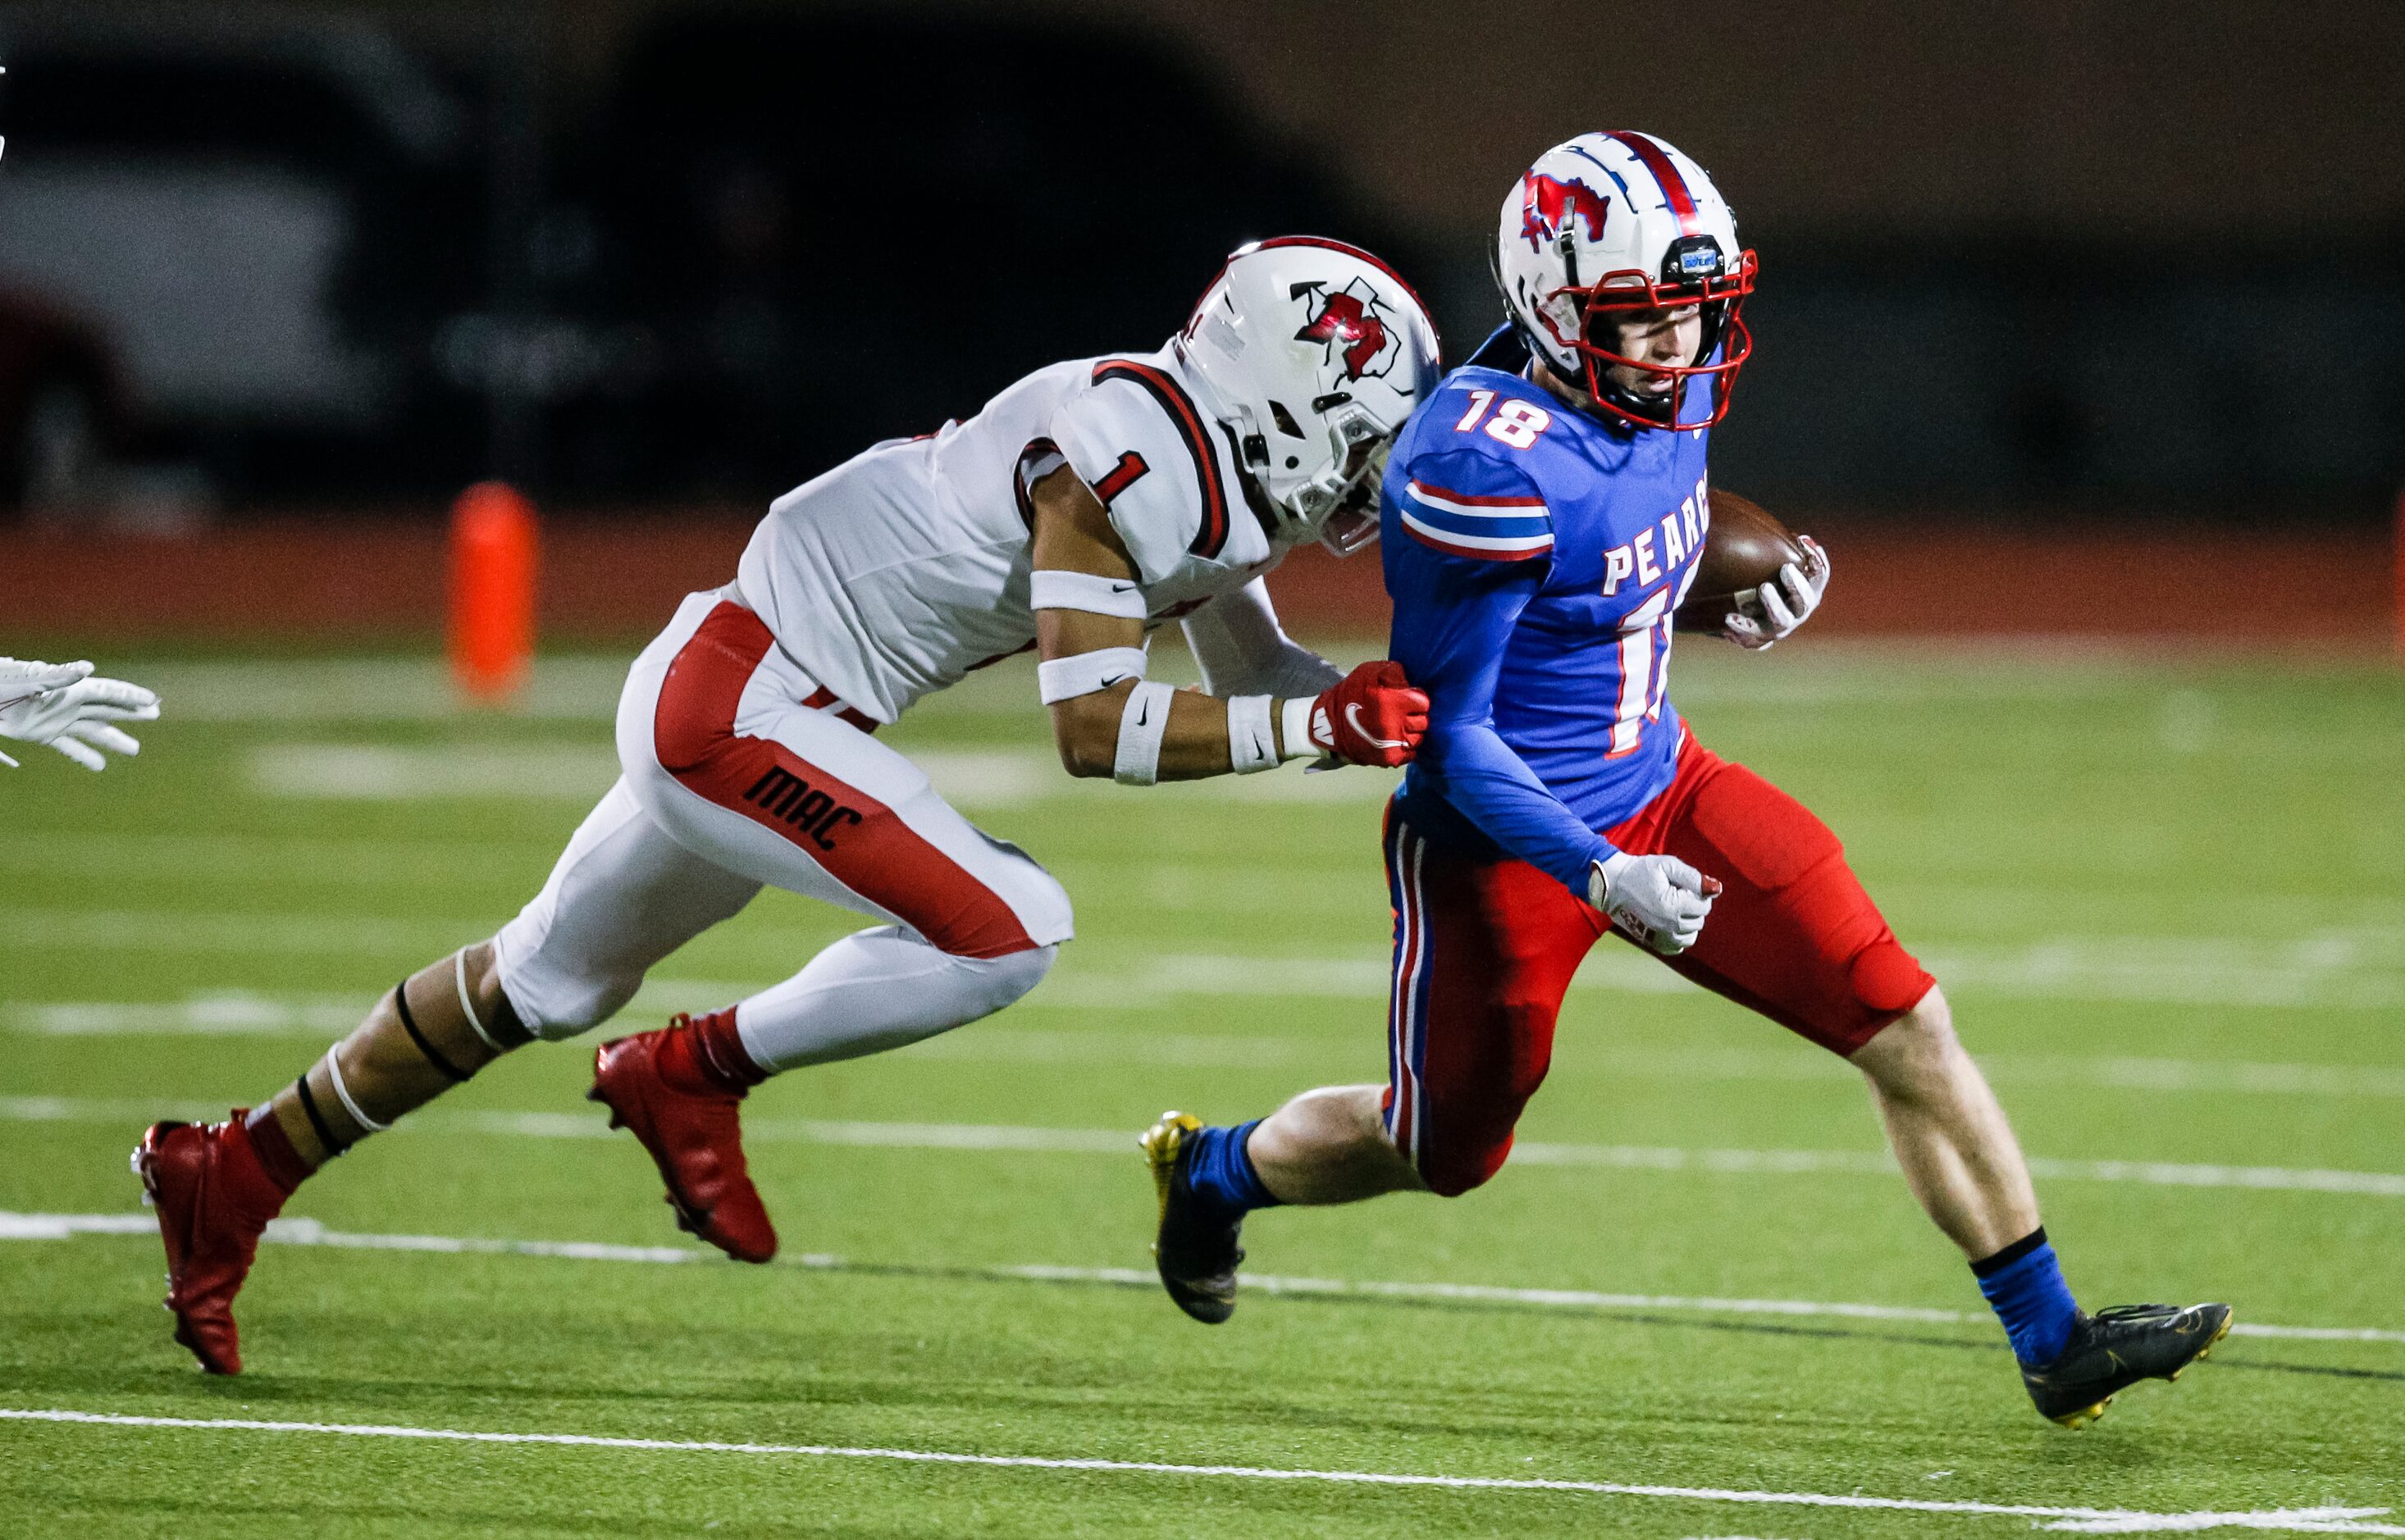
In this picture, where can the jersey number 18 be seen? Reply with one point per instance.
(1517, 425)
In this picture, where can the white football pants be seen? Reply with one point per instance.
(739, 772)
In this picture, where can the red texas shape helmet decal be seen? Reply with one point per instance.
(1351, 323)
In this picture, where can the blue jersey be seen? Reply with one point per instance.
(1534, 555)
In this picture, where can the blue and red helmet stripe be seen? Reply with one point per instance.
(1664, 170)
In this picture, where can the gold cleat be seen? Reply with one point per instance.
(1161, 1143)
(2084, 1415)
(1194, 1251)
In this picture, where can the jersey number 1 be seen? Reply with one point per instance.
(1121, 476)
(1644, 660)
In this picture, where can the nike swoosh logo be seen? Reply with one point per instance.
(1122, 588)
(1353, 720)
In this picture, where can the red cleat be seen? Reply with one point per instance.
(653, 1089)
(213, 1198)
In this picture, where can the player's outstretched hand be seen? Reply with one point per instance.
(1782, 614)
(61, 705)
(1372, 716)
(1660, 900)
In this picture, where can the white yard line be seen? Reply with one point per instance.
(2360, 968)
(2345, 967)
(585, 687)
(362, 772)
(1115, 1142)
(309, 1232)
(2339, 968)
(397, 863)
(221, 1012)
(582, 769)
(243, 1011)
(564, 687)
(2325, 1520)
(231, 932)
(211, 1014)
(2146, 1172)
(2104, 1071)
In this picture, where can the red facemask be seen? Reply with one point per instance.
(1725, 332)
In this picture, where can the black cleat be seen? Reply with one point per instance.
(1197, 1255)
(2116, 1348)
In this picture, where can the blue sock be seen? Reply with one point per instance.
(2024, 1285)
(1221, 1174)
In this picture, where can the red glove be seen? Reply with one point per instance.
(1372, 716)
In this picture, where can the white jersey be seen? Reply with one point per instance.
(897, 572)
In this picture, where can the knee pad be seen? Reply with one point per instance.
(1460, 1146)
(1036, 896)
(1456, 1166)
(1889, 980)
(1056, 921)
(1004, 979)
(1468, 1127)
(552, 1005)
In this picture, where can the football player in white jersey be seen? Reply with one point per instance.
(1086, 504)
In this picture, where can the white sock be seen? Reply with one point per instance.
(875, 990)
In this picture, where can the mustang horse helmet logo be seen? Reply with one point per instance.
(1352, 324)
(1548, 204)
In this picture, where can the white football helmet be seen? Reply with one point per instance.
(1313, 353)
(1616, 222)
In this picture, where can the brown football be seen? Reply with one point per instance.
(1744, 550)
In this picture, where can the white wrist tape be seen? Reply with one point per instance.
(1142, 726)
(1066, 678)
(1252, 744)
(1294, 721)
(1050, 589)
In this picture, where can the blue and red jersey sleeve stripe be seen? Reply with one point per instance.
(1484, 527)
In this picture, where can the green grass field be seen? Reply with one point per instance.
(2167, 898)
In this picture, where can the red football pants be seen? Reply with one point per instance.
(1484, 949)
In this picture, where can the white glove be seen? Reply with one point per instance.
(1661, 901)
(1783, 612)
(61, 704)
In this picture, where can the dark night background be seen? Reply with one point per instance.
(2140, 261)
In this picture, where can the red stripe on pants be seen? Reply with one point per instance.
(859, 840)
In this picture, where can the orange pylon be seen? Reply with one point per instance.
(491, 633)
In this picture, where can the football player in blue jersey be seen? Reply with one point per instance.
(1543, 515)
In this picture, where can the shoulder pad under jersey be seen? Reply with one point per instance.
(1457, 488)
(1135, 436)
